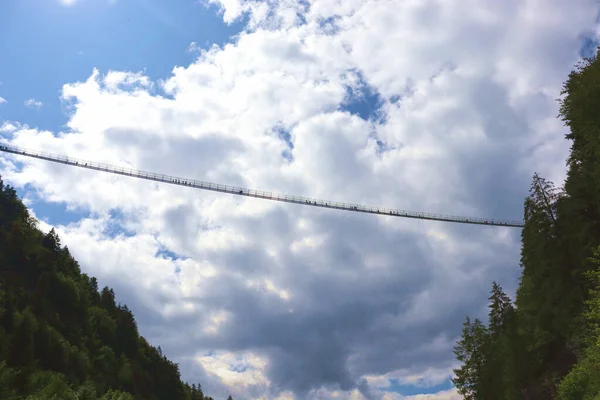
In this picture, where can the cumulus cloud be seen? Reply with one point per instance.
(445, 395)
(33, 103)
(284, 301)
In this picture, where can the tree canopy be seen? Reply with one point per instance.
(60, 336)
(547, 344)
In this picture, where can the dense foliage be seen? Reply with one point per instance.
(60, 336)
(547, 344)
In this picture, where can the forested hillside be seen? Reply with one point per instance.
(546, 344)
(61, 337)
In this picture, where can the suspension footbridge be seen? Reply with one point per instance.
(240, 191)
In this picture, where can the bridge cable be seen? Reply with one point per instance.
(239, 191)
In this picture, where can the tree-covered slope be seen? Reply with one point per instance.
(547, 345)
(60, 336)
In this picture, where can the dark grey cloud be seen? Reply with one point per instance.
(335, 334)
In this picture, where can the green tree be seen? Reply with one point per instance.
(501, 366)
(7, 377)
(547, 345)
(22, 339)
(471, 352)
(59, 337)
(116, 395)
(500, 309)
(583, 381)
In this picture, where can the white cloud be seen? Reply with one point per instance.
(8, 127)
(194, 48)
(2, 100)
(273, 299)
(33, 103)
(236, 369)
(451, 394)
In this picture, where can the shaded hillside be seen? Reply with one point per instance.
(60, 336)
(547, 344)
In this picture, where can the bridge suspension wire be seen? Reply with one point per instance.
(174, 180)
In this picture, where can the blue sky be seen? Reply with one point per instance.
(408, 390)
(129, 35)
(63, 44)
(448, 163)
(59, 44)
